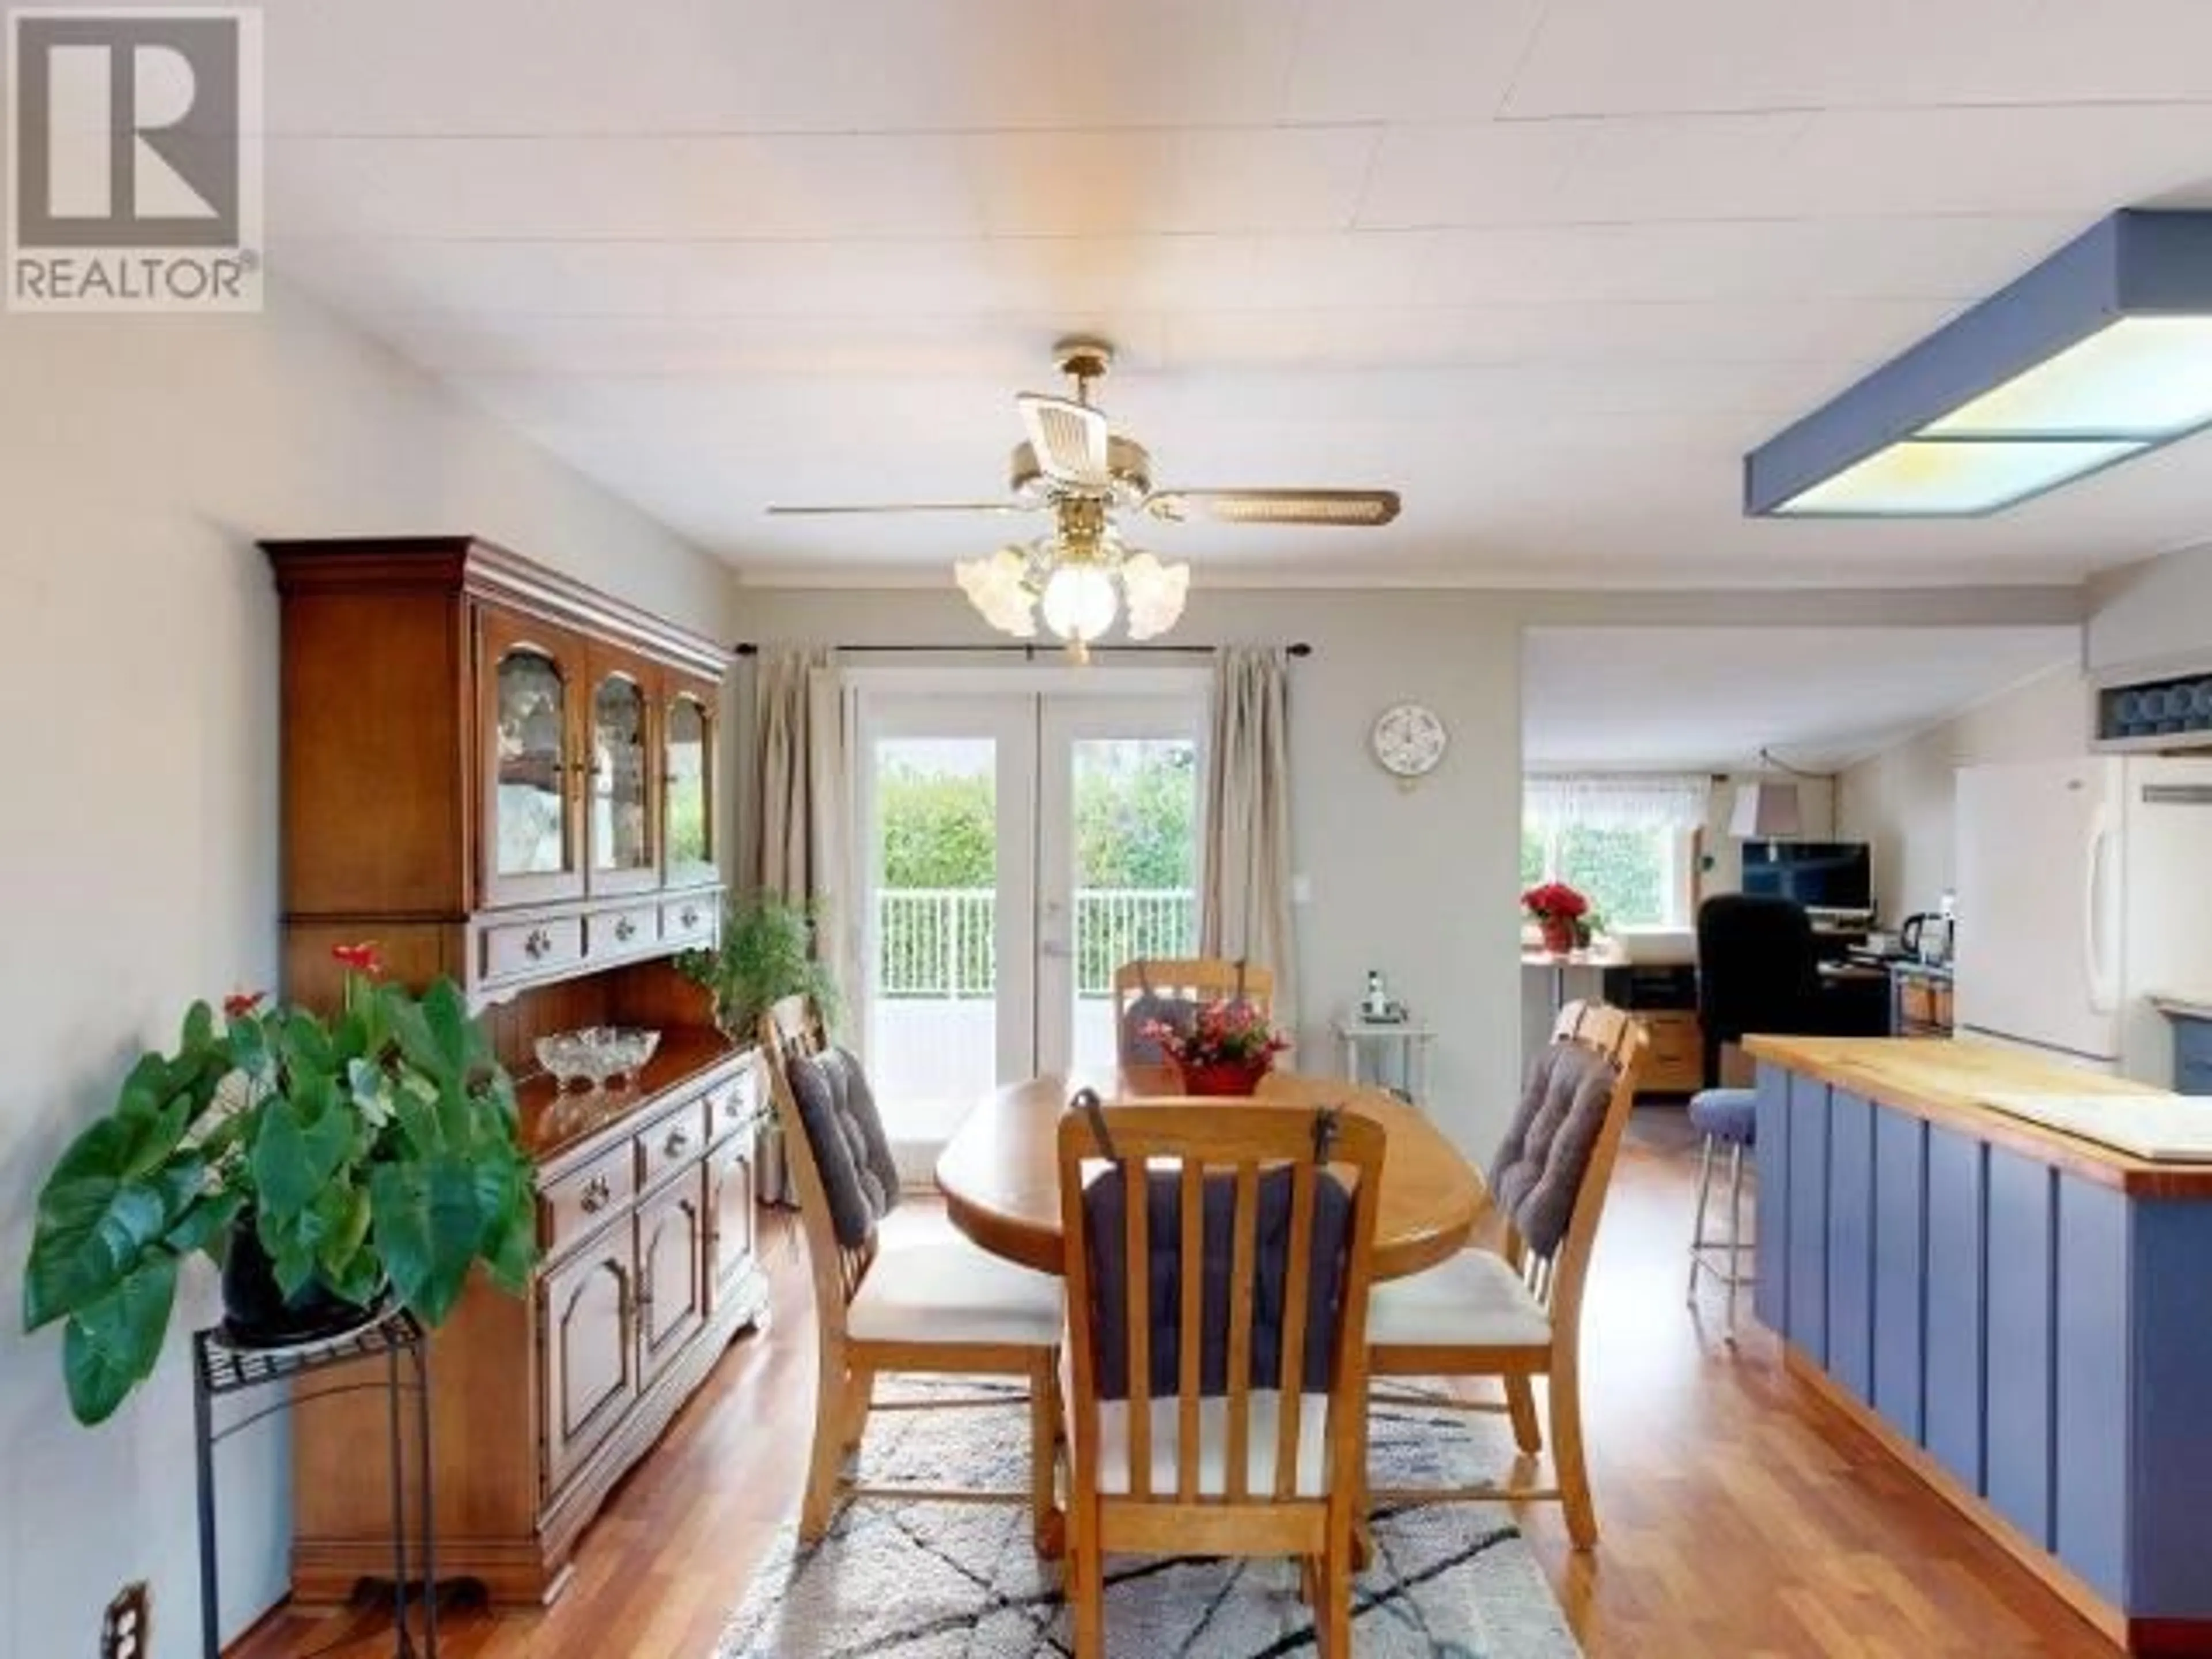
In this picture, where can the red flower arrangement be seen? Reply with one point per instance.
(1227, 1047)
(1559, 910)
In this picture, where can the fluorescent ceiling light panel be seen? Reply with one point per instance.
(2101, 352)
(1915, 479)
(2144, 376)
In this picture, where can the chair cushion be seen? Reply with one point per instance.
(1106, 1238)
(1538, 1168)
(947, 1289)
(1312, 1479)
(1474, 1300)
(846, 1134)
(1726, 1113)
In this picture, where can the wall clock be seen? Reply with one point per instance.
(1408, 741)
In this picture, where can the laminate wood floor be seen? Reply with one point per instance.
(1740, 1516)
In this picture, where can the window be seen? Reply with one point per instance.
(1633, 876)
(1629, 845)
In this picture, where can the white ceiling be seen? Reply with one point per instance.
(1546, 266)
(1708, 699)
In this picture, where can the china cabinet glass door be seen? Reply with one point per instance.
(688, 784)
(621, 801)
(533, 680)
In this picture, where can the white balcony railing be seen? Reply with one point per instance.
(938, 943)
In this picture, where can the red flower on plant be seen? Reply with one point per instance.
(240, 1004)
(1554, 900)
(360, 959)
(1220, 1032)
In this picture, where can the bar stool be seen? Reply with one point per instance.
(1726, 1117)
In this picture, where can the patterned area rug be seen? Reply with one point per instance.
(948, 1581)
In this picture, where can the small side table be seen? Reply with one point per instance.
(1410, 1040)
(220, 1369)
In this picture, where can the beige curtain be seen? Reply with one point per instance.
(802, 799)
(1245, 909)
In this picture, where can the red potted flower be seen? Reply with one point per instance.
(1556, 908)
(1227, 1047)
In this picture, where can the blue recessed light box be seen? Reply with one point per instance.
(2101, 353)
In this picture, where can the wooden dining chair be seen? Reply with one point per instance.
(941, 1306)
(1174, 989)
(1226, 1418)
(1515, 1313)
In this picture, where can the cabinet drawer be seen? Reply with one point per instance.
(676, 1140)
(688, 920)
(732, 1103)
(511, 950)
(619, 932)
(583, 1201)
(1672, 1036)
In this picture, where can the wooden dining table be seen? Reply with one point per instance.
(1000, 1173)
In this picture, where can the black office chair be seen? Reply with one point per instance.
(1758, 970)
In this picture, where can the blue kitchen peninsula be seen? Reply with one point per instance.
(2021, 1315)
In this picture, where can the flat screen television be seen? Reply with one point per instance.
(1820, 875)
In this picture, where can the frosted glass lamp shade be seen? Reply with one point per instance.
(1156, 593)
(1765, 810)
(997, 587)
(1080, 602)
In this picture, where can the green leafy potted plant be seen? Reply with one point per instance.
(766, 953)
(331, 1164)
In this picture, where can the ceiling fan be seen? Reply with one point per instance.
(1075, 466)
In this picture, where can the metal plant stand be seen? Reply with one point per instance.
(220, 1369)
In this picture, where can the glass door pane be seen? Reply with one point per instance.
(948, 795)
(620, 835)
(1119, 835)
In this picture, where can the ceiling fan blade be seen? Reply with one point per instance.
(1070, 439)
(1357, 509)
(894, 507)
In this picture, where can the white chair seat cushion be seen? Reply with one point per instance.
(1474, 1300)
(1213, 1445)
(944, 1289)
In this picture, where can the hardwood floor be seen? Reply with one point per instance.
(1740, 1517)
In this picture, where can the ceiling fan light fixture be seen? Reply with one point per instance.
(1156, 593)
(998, 587)
(1080, 603)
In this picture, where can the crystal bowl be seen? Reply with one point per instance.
(595, 1054)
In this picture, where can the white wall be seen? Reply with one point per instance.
(139, 459)
(1904, 799)
(1418, 882)
(2152, 616)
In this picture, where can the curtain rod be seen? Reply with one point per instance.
(750, 648)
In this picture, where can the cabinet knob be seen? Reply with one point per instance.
(625, 930)
(536, 944)
(677, 1143)
(690, 917)
(598, 1195)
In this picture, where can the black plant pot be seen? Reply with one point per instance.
(256, 1312)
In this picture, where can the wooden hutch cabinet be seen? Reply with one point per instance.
(504, 777)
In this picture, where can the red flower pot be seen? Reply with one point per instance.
(1223, 1077)
(1558, 933)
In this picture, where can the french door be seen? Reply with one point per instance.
(1017, 845)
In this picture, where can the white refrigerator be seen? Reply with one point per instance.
(2085, 889)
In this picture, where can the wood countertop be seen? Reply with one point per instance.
(1943, 1080)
